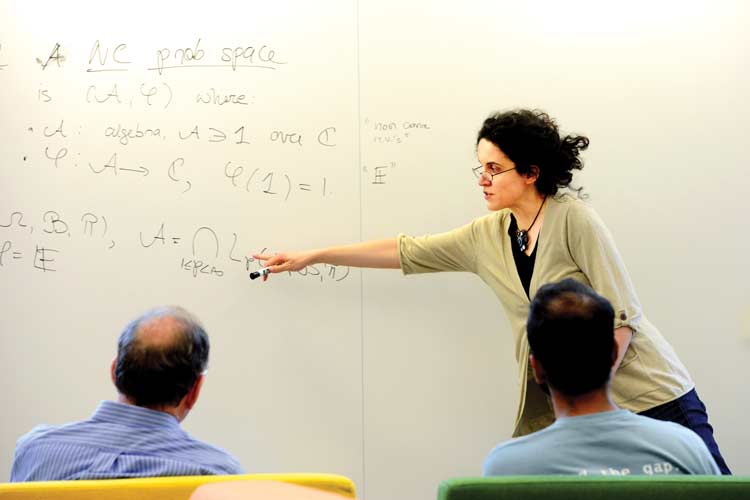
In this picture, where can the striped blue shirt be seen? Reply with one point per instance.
(118, 441)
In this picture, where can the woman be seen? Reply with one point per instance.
(537, 233)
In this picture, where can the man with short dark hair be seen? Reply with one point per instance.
(570, 334)
(159, 369)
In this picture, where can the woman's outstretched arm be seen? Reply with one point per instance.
(382, 254)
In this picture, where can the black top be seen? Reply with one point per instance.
(524, 263)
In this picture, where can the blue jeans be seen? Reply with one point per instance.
(689, 411)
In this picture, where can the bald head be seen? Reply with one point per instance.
(160, 356)
(159, 331)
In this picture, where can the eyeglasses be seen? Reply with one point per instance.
(489, 174)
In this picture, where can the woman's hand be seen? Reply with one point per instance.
(378, 254)
(285, 261)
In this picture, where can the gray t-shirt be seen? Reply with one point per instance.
(609, 443)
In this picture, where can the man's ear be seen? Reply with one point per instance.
(192, 396)
(539, 374)
(112, 369)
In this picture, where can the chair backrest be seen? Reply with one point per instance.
(159, 488)
(260, 490)
(596, 488)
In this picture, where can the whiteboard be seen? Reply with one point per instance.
(150, 149)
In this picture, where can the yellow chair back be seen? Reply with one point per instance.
(159, 488)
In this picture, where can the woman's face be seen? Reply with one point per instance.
(502, 185)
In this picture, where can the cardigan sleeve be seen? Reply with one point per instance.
(593, 249)
(450, 251)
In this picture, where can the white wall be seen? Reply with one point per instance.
(396, 382)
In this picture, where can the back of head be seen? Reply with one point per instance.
(531, 138)
(571, 334)
(160, 356)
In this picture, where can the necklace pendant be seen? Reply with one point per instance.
(522, 235)
(522, 239)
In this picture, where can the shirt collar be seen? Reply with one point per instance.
(595, 417)
(123, 413)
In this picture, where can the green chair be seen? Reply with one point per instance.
(596, 488)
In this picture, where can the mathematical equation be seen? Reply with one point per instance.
(208, 253)
(267, 182)
(150, 95)
(125, 135)
(207, 246)
(51, 224)
(43, 256)
(123, 147)
(264, 180)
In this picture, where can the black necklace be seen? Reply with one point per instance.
(522, 235)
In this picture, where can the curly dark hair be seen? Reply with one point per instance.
(158, 375)
(531, 138)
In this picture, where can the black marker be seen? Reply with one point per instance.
(257, 274)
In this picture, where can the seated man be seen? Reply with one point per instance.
(159, 369)
(571, 339)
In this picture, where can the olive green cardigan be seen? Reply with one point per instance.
(573, 243)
